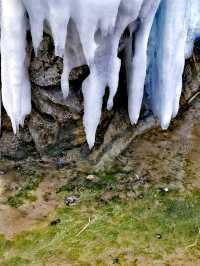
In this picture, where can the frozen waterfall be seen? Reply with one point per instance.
(162, 33)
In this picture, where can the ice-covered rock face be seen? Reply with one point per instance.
(88, 32)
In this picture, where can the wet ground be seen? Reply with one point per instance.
(146, 211)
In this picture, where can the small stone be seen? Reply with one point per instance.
(70, 200)
(141, 196)
(158, 236)
(164, 190)
(137, 177)
(91, 177)
(55, 222)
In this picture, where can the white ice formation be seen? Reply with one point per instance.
(162, 33)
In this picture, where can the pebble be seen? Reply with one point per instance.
(165, 189)
(158, 236)
(55, 222)
(2, 173)
(69, 200)
(91, 177)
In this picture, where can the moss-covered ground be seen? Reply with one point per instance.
(115, 220)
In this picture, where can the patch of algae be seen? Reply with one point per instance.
(160, 227)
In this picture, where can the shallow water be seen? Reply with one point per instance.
(147, 212)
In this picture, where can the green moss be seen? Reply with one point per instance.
(97, 233)
(106, 181)
(25, 192)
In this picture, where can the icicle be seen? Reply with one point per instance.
(100, 60)
(92, 105)
(170, 46)
(127, 14)
(73, 56)
(58, 18)
(105, 68)
(37, 12)
(96, 12)
(15, 84)
(139, 62)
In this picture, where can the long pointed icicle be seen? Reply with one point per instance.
(172, 33)
(139, 62)
(15, 84)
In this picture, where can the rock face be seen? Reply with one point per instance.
(54, 129)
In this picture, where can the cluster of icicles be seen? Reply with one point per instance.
(162, 33)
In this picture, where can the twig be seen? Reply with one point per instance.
(193, 97)
(195, 242)
(84, 228)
